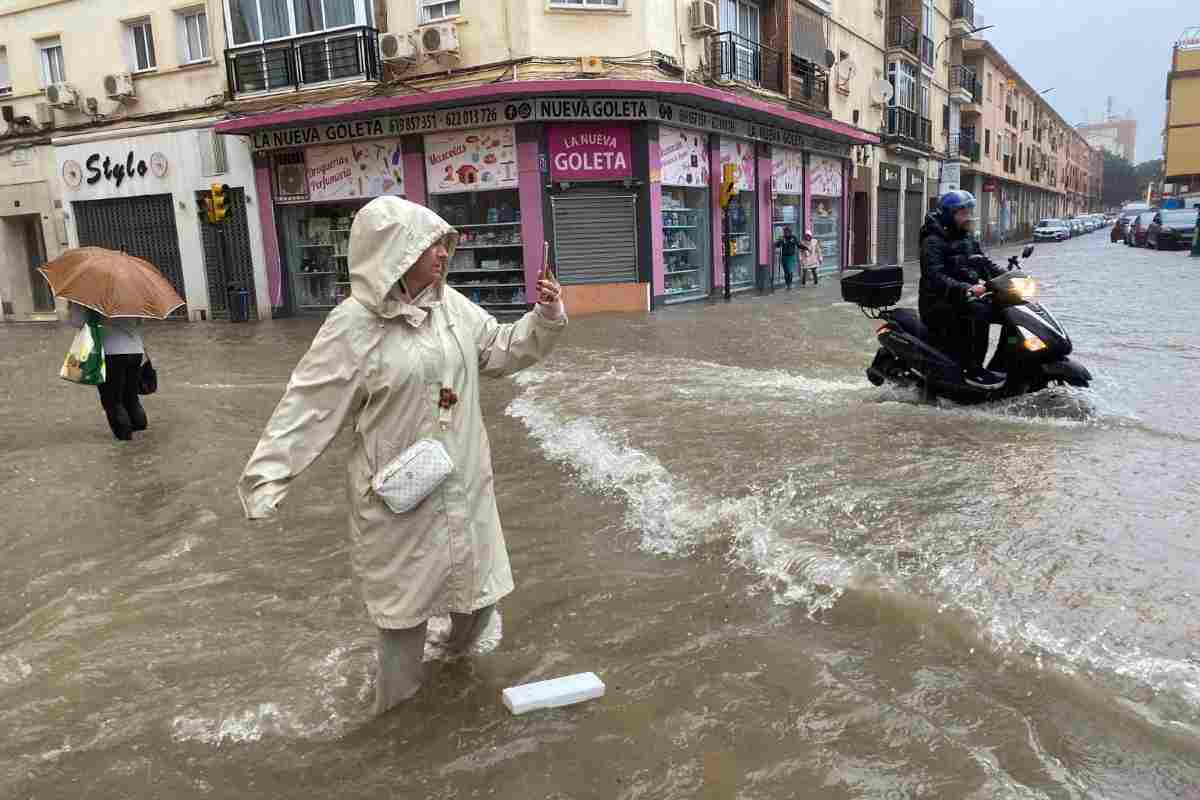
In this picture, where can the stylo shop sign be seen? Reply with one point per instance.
(100, 167)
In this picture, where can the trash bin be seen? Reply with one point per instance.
(763, 278)
(239, 303)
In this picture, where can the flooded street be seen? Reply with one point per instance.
(793, 583)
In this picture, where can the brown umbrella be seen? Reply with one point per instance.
(113, 283)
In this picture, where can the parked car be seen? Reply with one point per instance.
(1133, 209)
(1051, 230)
(1171, 229)
(1136, 236)
(1077, 228)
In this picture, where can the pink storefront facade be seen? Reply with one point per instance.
(620, 177)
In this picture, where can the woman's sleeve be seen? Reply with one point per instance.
(509, 348)
(325, 389)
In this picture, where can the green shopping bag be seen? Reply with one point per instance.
(85, 360)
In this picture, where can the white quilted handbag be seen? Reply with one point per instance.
(413, 475)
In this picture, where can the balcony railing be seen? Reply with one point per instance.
(963, 145)
(963, 78)
(304, 61)
(810, 84)
(736, 58)
(908, 126)
(902, 33)
(927, 51)
(963, 9)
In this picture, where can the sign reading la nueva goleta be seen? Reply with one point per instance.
(534, 109)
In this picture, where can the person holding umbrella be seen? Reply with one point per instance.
(400, 363)
(117, 291)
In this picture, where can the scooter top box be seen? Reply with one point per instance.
(877, 287)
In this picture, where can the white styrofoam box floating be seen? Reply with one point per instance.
(553, 693)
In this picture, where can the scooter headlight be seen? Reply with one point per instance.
(1024, 288)
(1033, 344)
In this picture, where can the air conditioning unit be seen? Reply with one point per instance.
(62, 95)
(438, 39)
(704, 17)
(119, 85)
(397, 47)
(45, 115)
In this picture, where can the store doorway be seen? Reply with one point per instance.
(889, 227)
(595, 236)
(860, 248)
(35, 251)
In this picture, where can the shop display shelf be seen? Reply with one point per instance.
(682, 271)
(680, 249)
(317, 305)
(488, 304)
(680, 227)
(317, 244)
(683, 290)
(315, 274)
(481, 271)
(490, 225)
(488, 246)
(673, 210)
(488, 285)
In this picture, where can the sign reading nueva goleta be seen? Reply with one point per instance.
(534, 109)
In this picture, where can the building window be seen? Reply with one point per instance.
(432, 10)
(989, 86)
(585, 3)
(987, 142)
(903, 77)
(193, 35)
(141, 45)
(5, 80)
(53, 68)
(251, 21)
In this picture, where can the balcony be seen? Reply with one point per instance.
(963, 84)
(902, 35)
(904, 127)
(736, 58)
(304, 61)
(963, 146)
(927, 51)
(810, 85)
(962, 17)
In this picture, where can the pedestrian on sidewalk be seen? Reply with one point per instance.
(401, 361)
(812, 258)
(789, 248)
(123, 352)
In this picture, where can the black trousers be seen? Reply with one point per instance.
(119, 395)
(960, 331)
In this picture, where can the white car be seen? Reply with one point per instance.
(1051, 230)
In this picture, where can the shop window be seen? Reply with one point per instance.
(433, 10)
(53, 67)
(193, 35)
(686, 213)
(140, 41)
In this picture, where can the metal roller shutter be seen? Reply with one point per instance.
(141, 226)
(889, 226)
(914, 216)
(595, 238)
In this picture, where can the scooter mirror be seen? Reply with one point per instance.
(1027, 252)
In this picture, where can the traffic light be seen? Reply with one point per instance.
(728, 184)
(216, 206)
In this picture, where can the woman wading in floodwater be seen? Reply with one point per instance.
(401, 360)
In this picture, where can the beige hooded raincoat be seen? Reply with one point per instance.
(379, 362)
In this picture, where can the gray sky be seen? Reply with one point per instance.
(1090, 49)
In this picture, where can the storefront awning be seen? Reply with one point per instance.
(653, 101)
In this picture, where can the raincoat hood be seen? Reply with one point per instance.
(388, 236)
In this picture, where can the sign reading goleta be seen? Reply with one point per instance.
(535, 109)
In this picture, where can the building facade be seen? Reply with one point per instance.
(108, 110)
(1181, 138)
(1025, 161)
(1116, 135)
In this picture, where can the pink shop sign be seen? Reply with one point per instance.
(590, 153)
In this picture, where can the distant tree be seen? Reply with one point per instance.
(1148, 172)
(1120, 180)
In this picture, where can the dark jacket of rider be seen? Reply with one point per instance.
(947, 269)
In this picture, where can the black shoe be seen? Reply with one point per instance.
(982, 378)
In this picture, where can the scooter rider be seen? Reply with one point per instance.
(953, 269)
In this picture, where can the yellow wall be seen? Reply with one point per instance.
(1187, 59)
(1185, 101)
(93, 39)
(1183, 151)
(859, 32)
